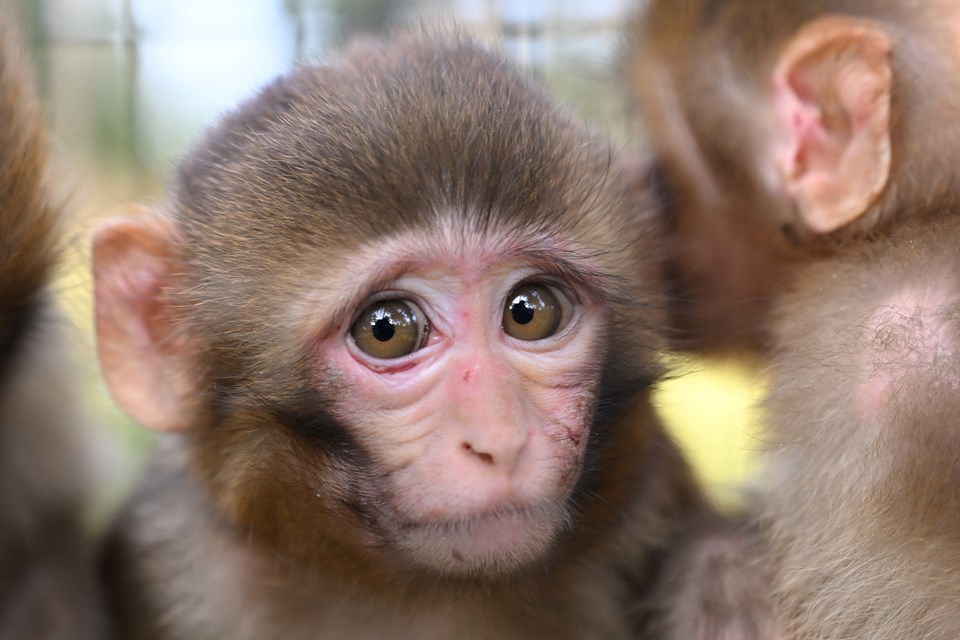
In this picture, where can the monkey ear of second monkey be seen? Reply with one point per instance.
(788, 155)
(398, 326)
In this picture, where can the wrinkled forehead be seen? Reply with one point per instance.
(457, 243)
(455, 251)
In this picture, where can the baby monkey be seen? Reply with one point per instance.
(398, 324)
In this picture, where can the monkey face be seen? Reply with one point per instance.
(438, 408)
(401, 308)
(465, 369)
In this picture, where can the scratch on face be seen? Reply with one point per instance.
(570, 434)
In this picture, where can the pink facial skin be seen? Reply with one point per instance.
(482, 434)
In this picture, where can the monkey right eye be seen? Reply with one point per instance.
(390, 329)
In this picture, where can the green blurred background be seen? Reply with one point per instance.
(130, 83)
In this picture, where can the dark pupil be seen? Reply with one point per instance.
(383, 328)
(521, 311)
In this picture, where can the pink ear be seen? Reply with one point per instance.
(142, 358)
(831, 95)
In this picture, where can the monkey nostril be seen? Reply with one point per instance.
(484, 457)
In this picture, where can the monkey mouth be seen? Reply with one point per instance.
(491, 543)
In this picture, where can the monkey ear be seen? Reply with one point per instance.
(142, 358)
(832, 101)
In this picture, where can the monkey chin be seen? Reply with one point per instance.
(492, 545)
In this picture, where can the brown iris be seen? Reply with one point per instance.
(532, 312)
(390, 329)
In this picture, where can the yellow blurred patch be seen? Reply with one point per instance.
(710, 408)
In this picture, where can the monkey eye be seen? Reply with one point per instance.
(533, 312)
(390, 329)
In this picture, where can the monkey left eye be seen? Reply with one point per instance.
(390, 329)
(534, 312)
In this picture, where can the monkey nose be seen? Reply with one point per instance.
(493, 417)
(482, 456)
(495, 445)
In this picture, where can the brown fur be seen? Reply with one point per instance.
(27, 252)
(879, 484)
